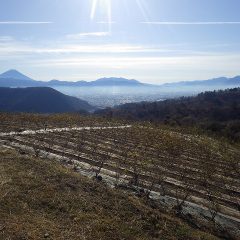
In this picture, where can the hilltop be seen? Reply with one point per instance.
(40, 100)
(14, 74)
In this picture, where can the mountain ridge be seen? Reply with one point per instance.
(213, 81)
(40, 100)
(14, 78)
(14, 74)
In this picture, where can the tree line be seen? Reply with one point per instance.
(217, 111)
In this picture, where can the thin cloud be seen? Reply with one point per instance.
(106, 22)
(88, 34)
(6, 39)
(192, 23)
(23, 23)
(155, 65)
(13, 47)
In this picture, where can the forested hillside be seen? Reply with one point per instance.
(40, 100)
(217, 111)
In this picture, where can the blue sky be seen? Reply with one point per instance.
(153, 41)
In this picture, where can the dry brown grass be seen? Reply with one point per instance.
(44, 200)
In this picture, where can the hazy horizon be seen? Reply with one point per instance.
(109, 77)
(153, 41)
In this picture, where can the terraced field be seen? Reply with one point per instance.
(195, 176)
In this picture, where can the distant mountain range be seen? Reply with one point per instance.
(40, 100)
(222, 81)
(14, 74)
(13, 78)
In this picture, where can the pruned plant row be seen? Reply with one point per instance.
(152, 160)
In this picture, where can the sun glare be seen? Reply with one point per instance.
(106, 7)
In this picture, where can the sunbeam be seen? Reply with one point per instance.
(93, 10)
(106, 6)
(109, 14)
(142, 6)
